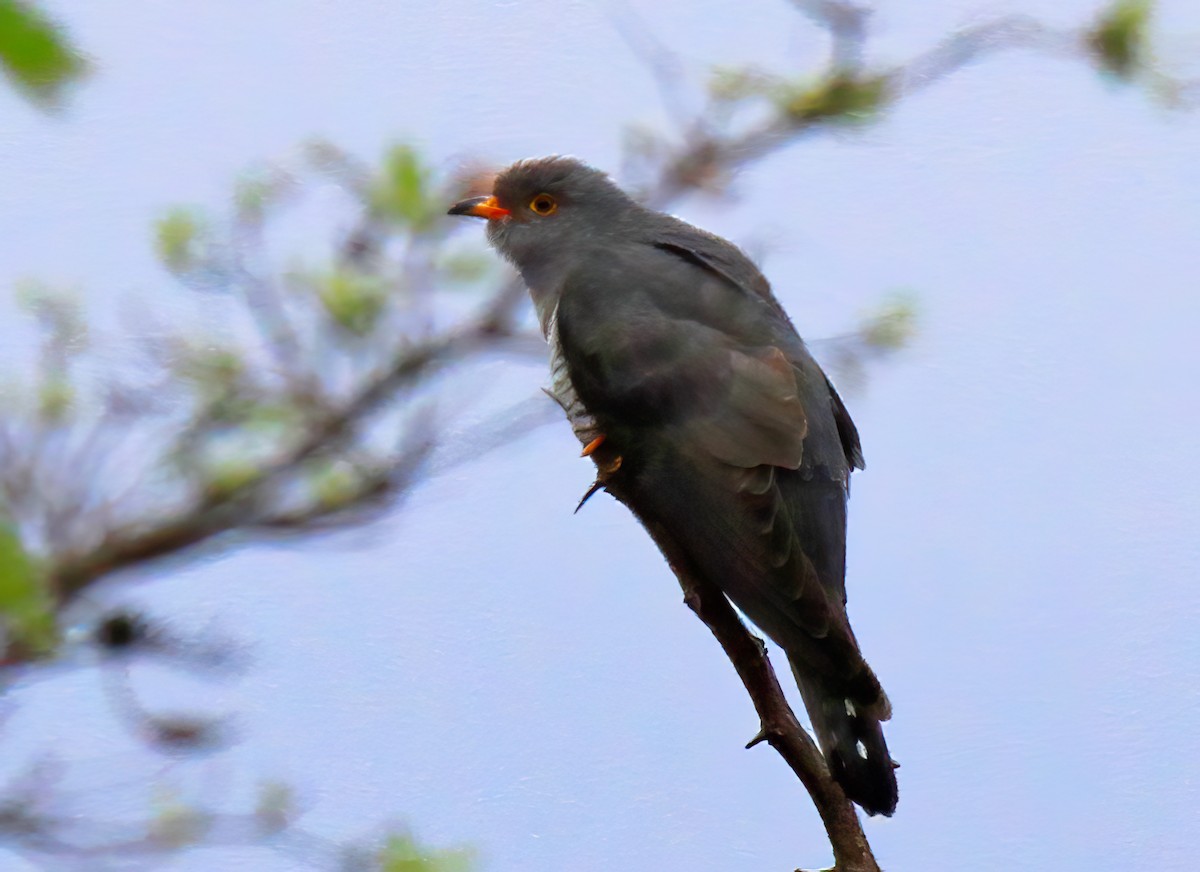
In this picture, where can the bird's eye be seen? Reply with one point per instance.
(543, 204)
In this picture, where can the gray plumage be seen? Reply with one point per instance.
(669, 343)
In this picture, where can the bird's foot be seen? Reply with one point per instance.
(607, 464)
(590, 448)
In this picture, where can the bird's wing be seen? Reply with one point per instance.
(634, 355)
(720, 258)
(714, 254)
(779, 549)
(761, 420)
(847, 432)
(681, 364)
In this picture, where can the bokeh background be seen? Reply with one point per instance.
(494, 671)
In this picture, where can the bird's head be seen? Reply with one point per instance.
(544, 209)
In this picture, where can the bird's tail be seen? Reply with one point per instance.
(847, 724)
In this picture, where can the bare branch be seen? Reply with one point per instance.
(220, 511)
(1011, 33)
(778, 723)
(847, 26)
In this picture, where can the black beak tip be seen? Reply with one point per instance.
(465, 207)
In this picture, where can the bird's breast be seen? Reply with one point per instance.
(562, 390)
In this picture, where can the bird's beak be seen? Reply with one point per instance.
(480, 207)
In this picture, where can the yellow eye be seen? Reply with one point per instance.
(543, 204)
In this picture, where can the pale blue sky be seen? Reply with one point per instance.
(1024, 543)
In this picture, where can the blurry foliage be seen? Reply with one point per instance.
(213, 371)
(1120, 37)
(177, 238)
(260, 428)
(400, 193)
(56, 396)
(335, 482)
(839, 97)
(882, 331)
(176, 823)
(733, 84)
(401, 853)
(26, 607)
(893, 325)
(354, 299)
(227, 476)
(467, 267)
(36, 54)
(261, 189)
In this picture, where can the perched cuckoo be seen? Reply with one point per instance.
(671, 352)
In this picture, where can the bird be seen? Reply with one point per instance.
(670, 351)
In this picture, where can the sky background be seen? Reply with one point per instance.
(495, 671)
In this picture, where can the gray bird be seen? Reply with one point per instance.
(670, 350)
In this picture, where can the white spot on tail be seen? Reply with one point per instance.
(862, 749)
(851, 711)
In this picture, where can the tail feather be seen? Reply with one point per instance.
(851, 738)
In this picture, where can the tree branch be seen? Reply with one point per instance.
(224, 510)
(778, 725)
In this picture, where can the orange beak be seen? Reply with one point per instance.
(480, 207)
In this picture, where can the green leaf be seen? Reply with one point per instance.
(258, 191)
(178, 239)
(56, 396)
(1119, 39)
(353, 299)
(35, 54)
(25, 603)
(214, 371)
(58, 312)
(272, 417)
(232, 474)
(401, 193)
(401, 853)
(840, 98)
(335, 484)
(732, 84)
(892, 326)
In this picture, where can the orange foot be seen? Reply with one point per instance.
(590, 448)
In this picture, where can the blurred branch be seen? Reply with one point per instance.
(847, 26)
(245, 503)
(32, 825)
(851, 91)
(881, 332)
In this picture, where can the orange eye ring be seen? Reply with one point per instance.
(543, 204)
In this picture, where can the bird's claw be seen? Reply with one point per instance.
(591, 447)
(606, 466)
